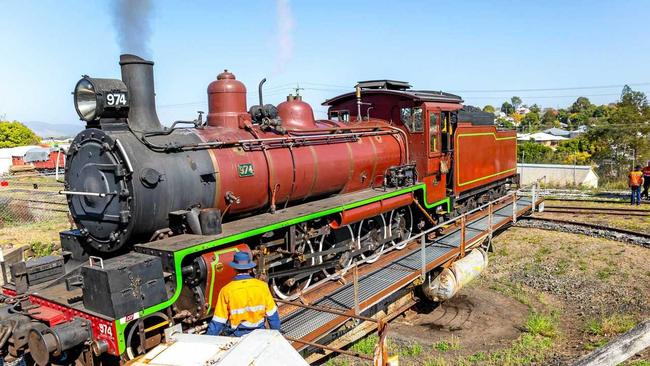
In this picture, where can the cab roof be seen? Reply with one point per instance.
(399, 89)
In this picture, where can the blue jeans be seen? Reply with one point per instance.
(636, 195)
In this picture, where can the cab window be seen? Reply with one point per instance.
(412, 119)
(446, 129)
(433, 133)
(341, 116)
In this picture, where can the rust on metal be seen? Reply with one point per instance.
(337, 350)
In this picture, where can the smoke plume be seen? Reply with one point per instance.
(285, 38)
(132, 22)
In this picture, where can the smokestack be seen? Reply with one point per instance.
(137, 74)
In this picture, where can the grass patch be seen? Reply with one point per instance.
(529, 348)
(618, 323)
(607, 327)
(541, 253)
(337, 362)
(452, 344)
(411, 350)
(640, 363)
(594, 327)
(502, 252)
(582, 265)
(539, 324)
(44, 232)
(561, 267)
(605, 273)
(365, 345)
(611, 325)
(478, 357)
(438, 361)
(593, 345)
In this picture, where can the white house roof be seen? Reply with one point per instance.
(539, 136)
(558, 132)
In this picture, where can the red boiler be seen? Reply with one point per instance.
(306, 159)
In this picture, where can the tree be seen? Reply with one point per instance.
(532, 152)
(530, 122)
(621, 139)
(549, 118)
(582, 104)
(634, 99)
(488, 109)
(516, 102)
(535, 108)
(563, 116)
(504, 123)
(14, 134)
(601, 111)
(507, 108)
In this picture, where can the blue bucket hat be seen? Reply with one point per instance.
(242, 260)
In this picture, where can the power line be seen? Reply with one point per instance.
(187, 104)
(549, 89)
(544, 96)
(289, 87)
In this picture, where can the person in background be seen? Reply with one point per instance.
(646, 180)
(244, 303)
(635, 181)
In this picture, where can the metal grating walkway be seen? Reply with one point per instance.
(302, 322)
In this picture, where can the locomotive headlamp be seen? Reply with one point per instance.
(95, 98)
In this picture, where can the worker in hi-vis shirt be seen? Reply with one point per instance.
(243, 304)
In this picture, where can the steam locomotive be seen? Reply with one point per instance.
(160, 211)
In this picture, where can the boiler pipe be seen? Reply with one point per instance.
(259, 91)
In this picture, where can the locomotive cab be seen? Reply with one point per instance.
(460, 156)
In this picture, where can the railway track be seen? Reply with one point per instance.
(593, 200)
(575, 227)
(615, 211)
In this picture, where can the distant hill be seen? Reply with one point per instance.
(45, 130)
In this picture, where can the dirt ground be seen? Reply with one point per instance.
(546, 298)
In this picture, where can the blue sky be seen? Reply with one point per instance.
(443, 45)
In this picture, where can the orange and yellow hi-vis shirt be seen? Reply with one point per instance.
(245, 303)
(635, 179)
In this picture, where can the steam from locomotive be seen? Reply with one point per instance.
(132, 20)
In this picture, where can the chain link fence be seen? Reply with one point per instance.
(29, 200)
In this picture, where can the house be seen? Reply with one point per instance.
(558, 132)
(543, 138)
(558, 175)
(523, 110)
(578, 131)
